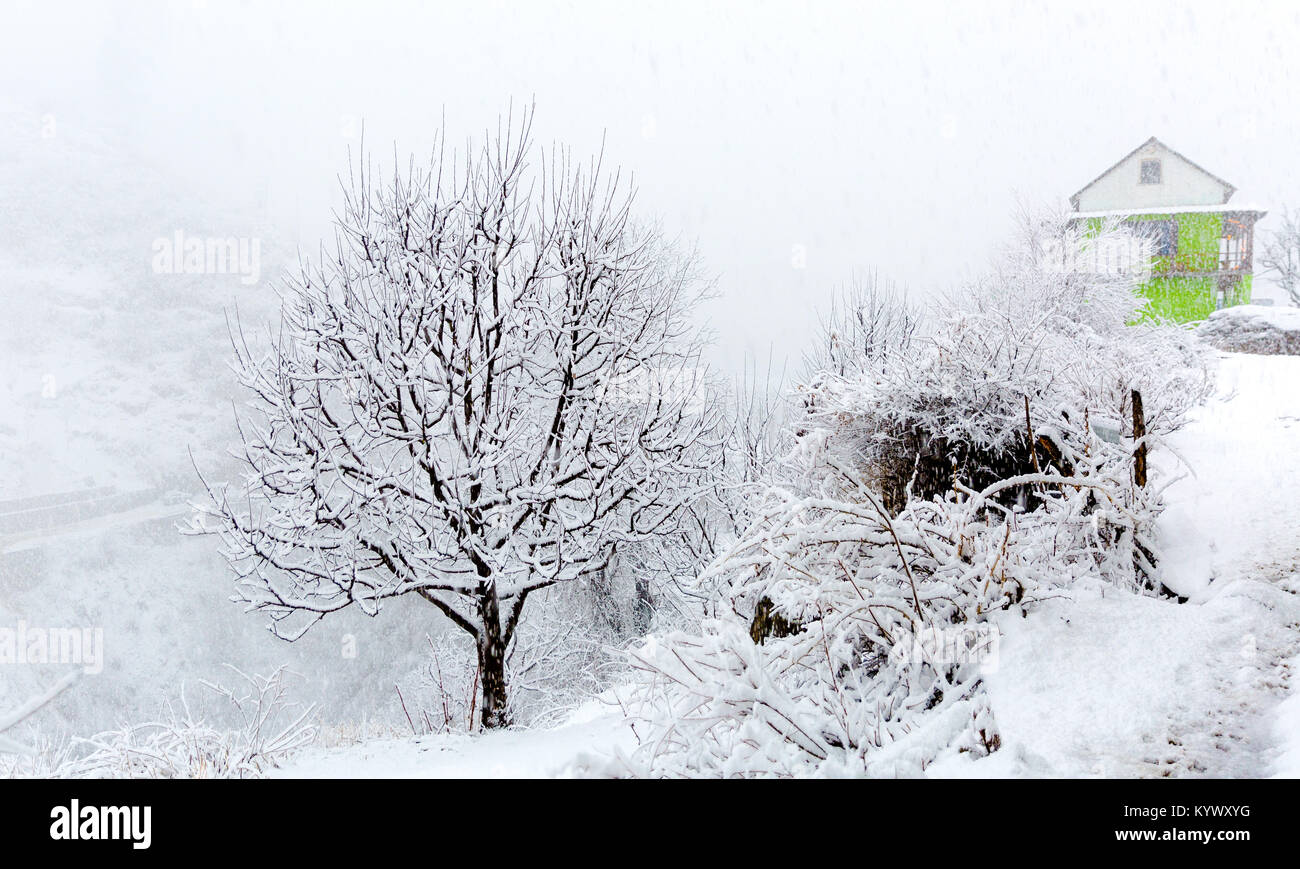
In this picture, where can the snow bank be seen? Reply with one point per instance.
(1254, 329)
(1118, 685)
(1125, 686)
(1286, 728)
(1233, 514)
(596, 730)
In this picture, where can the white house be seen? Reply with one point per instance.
(1152, 175)
(1195, 250)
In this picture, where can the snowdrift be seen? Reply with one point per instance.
(1254, 329)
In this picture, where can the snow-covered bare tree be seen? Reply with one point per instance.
(870, 319)
(755, 437)
(1280, 254)
(486, 388)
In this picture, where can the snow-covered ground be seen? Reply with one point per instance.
(1114, 685)
(595, 730)
(1234, 516)
(1105, 684)
(1121, 686)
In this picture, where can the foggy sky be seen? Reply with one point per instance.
(849, 138)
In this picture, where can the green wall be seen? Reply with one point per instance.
(1181, 297)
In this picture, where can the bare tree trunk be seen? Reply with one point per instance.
(492, 659)
(644, 606)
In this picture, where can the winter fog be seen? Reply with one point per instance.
(558, 378)
(796, 144)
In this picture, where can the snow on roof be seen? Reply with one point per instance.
(1171, 209)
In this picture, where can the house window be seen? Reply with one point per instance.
(1150, 172)
(1163, 235)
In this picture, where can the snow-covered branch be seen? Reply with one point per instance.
(945, 476)
(1279, 254)
(485, 389)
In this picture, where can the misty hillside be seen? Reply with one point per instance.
(678, 390)
(138, 375)
(116, 374)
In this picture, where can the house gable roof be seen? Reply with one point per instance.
(1228, 189)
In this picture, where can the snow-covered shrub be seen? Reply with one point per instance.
(1032, 352)
(871, 320)
(1254, 329)
(444, 697)
(1001, 414)
(851, 583)
(753, 438)
(182, 746)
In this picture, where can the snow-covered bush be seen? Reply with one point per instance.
(180, 745)
(1034, 352)
(753, 438)
(996, 426)
(1254, 329)
(869, 321)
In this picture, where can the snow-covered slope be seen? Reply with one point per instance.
(1121, 686)
(1236, 515)
(114, 375)
(1114, 685)
(1106, 683)
(114, 370)
(596, 730)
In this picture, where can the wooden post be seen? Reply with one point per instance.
(1139, 433)
(1029, 431)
